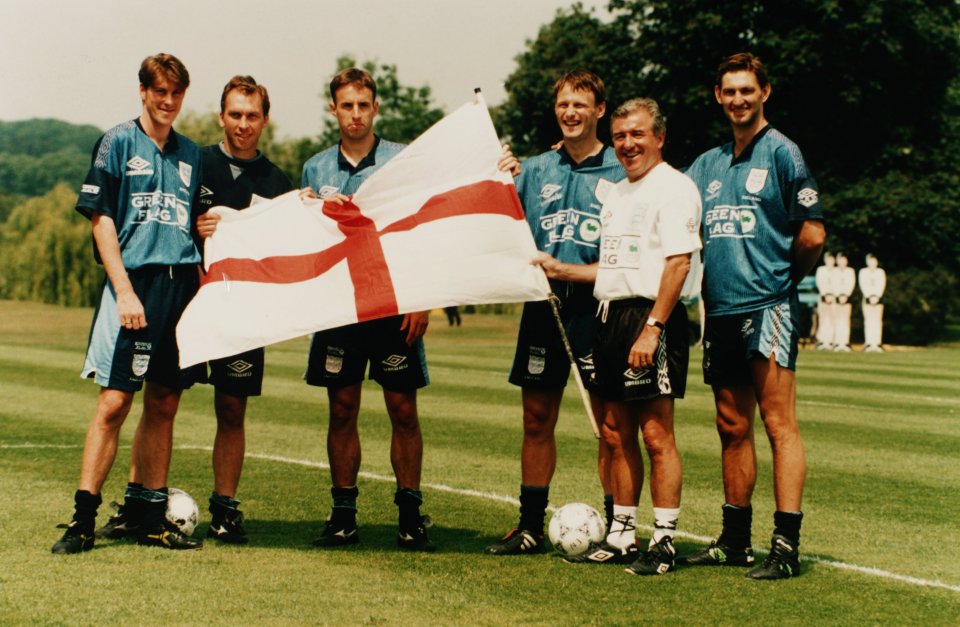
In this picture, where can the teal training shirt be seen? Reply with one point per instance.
(562, 201)
(752, 208)
(328, 172)
(147, 192)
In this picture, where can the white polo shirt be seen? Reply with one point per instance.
(643, 223)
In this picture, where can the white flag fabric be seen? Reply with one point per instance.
(438, 225)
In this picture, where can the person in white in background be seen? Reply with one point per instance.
(873, 281)
(846, 282)
(826, 307)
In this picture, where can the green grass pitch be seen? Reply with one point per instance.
(880, 539)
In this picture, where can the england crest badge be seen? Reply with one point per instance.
(756, 180)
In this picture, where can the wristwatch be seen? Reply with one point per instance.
(653, 322)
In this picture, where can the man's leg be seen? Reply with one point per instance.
(666, 480)
(343, 450)
(406, 457)
(99, 453)
(604, 459)
(736, 406)
(229, 446)
(776, 391)
(155, 443)
(619, 432)
(538, 460)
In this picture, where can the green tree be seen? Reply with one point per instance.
(575, 39)
(38, 137)
(868, 90)
(46, 252)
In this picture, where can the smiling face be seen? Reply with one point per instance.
(355, 109)
(577, 114)
(162, 101)
(637, 146)
(242, 122)
(742, 98)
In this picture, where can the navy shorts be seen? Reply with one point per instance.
(338, 357)
(122, 359)
(540, 360)
(617, 330)
(730, 343)
(240, 375)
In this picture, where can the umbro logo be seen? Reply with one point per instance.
(205, 191)
(807, 197)
(347, 533)
(549, 191)
(394, 360)
(634, 374)
(406, 537)
(239, 366)
(601, 555)
(138, 166)
(714, 187)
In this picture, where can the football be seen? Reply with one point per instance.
(182, 511)
(574, 526)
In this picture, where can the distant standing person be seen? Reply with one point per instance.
(393, 346)
(826, 278)
(763, 232)
(846, 283)
(873, 282)
(453, 315)
(138, 196)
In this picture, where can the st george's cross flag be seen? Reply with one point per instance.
(437, 225)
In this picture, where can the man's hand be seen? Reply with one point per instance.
(551, 266)
(508, 162)
(307, 192)
(207, 224)
(415, 324)
(643, 350)
(131, 311)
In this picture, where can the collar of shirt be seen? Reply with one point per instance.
(748, 151)
(368, 160)
(591, 161)
(170, 146)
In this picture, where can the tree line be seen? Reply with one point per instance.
(870, 91)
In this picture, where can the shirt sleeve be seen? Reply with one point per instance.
(100, 191)
(801, 198)
(679, 218)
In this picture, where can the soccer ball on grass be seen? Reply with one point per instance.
(574, 526)
(182, 511)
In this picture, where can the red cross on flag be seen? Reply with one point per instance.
(438, 225)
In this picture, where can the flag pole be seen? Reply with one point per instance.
(553, 299)
(587, 405)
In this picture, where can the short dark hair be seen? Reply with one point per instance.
(740, 62)
(582, 80)
(246, 85)
(167, 65)
(659, 120)
(352, 76)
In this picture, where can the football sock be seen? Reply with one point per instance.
(155, 508)
(623, 531)
(409, 501)
(85, 507)
(787, 524)
(664, 523)
(533, 507)
(736, 526)
(608, 509)
(345, 503)
(133, 502)
(220, 504)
